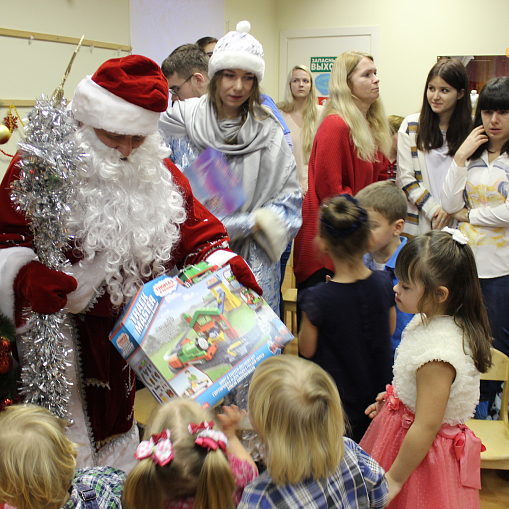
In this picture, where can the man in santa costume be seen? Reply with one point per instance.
(134, 219)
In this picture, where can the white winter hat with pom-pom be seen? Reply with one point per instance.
(238, 50)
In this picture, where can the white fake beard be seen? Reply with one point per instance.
(128, 210)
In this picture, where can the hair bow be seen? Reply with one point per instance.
(194, 428)
(159, 448)
(459, 237)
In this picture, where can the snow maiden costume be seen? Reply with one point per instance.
(449, 475)
(260, 157)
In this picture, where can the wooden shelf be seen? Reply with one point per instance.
(19, 103)
(23, 34)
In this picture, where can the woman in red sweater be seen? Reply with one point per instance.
(349, 153)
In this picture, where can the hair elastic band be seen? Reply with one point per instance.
(208, 438)
(159, 448)
(343, 233)
(459, 237)
(211, 439)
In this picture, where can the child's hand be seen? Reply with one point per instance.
(394, 487)
(374, 409)
(229, 422)
(230, 419)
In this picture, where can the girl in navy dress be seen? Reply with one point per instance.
(347, 322)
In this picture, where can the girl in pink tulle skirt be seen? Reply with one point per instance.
(418, 433)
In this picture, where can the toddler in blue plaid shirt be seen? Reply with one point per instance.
(295, 408)
(38, 462)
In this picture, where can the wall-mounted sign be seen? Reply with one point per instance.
(323, 66)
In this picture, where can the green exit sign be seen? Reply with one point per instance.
(322, 64)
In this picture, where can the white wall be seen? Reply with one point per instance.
(30, 68)
(262, 16)
(159, 26)
(412, 35)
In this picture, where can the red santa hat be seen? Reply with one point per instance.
(125, 96)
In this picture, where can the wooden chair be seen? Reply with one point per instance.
(144, 403)
(495, 434)
(290, 307)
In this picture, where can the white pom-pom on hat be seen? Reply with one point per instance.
(243, 26)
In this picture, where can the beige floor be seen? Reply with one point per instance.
(495, 489)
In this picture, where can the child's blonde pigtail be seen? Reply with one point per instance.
(142, 488)
(216, 484)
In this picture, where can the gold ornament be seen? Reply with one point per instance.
(5, 134)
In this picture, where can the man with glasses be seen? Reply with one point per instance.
(186, 71)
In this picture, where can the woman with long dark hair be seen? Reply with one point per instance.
(475, 191)
(427, 142)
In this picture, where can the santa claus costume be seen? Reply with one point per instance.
(134, 219)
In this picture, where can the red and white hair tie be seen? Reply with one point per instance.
(207, 437)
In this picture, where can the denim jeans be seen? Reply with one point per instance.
(495, 293)
(496, 299)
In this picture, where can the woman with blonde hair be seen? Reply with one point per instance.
(38, 461)
(295, 407)
(301, 112)
(185, 463)
(349, 153)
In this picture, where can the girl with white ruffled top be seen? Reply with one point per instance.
(418, 434)
(230, 119)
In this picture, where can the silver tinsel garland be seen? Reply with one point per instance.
(44, 192)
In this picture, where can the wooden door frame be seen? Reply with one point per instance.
(286, 35)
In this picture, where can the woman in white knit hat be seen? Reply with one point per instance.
(230, 119)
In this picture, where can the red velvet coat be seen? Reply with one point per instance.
(108, 382)
(334, 168)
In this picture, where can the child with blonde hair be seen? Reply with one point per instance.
(295, 408)
(38, 461)
(419, 434)
(347, 323)
(185, 463)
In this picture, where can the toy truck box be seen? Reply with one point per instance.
(197, 335)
